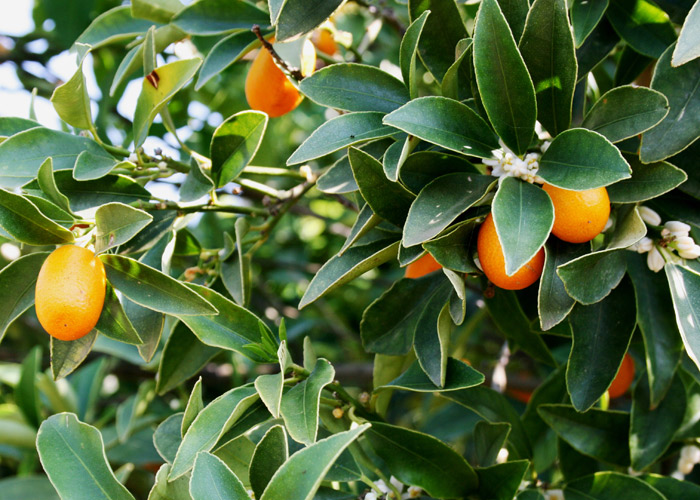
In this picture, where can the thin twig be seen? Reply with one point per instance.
(294, 72)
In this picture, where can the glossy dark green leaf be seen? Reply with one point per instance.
(17, 283)
(662, 341)
(211, 476)
(389, 324)
(355, 87)
(626, 111)
(235, 272)
(70, 449)
(432, 338)
(502, 481)
(11, 125)
(581, 159)
(524, 216)
(547, 47)
(271, 452)
(551, 391)
(488, 440)
(508, 315)
(447, 123)
(600, 434)
(89, 166)
(439, 204)
(422, 167)
(66, 356)
(114, 323)
(408, 51)
(131, 408)
(682, 123)
(211, 423)
(688, 47)
(671, 488)
(36, 486)
(365, 222)
(610, 486)
(295, 18)
(338, 178)
(590, 278)
(26, 393)
(643, 25)
(338, 133)
(109, 27)
(506, 88)
(530, 495)
(454, 249)
(356, 261)
(150, 288)
(457, 81)
(585, 16)
(161, 11)
(685, 292)
(442, 30)
(422, 460)
(211, 17)
(630, 65)
(300, 405)
(168, 436)
(459, 376)
(183, 357)
(47, 183)
(227, 51)
(117, 223)
(194, 406)
(553, 302)
(148, 323)
(648, 181)
(234, 144)
(652, 428)
(596, 48)
(24, 222)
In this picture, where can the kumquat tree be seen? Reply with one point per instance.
(351, 250)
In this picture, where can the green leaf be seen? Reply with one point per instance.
(685, 292)
(270, 454)
(389, 324)
(227, 51)
(160, 11)
(662, 341)
(338, 133)
(22, 154)
(547, 47)
(488, 440)
(625, 112)
(300, 405)
(459, 376)
(688, 47)
(148, 323)
(648, 181)
(652, 428)
(167, 436)
(113, 321)
(591, 277)
(11, 125)
(507, 92)
(234, 144)
(157, 89)
(610, 486)
(493, 407)
(17, 284)
(502, 481)
(355, 87)
(196, 184)
(337, 178)
(73, 456)
(89, 166)
(23, 221)
(585, 16)
(34, 486)
(212, 17)
(454, 249)
(26, 394)
(163, 489)
(421, 168)
(183, 357)
(439, 204)
(66, 356)
(131, 408)
(72, 103)
(387, 199)
(643, 25)
(596, 48)
(670, 487)
(580, 159)
(407, 53)
(599, 434)
(211, 423)
(211, 476)
(524, 216)
(601, 335)
(630, 65)
(117, 223)
(236, 272)
(553, 302)
(421, 460)
(150, 288)
(356, 261)
(457, 81)
(447, 123)
(47, 183)
(432, 338)
(365, 222)
(112, 26)
(681, 126)
(194, 406)
(438, 38)
(295, 18)
(269, 388)
(301, 475)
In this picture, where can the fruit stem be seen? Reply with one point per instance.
(293, 72)
(169, 205)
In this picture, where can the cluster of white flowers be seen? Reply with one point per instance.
(554, 495)
(675, 235)
(387, 492)
(690, 455)
(507, 164)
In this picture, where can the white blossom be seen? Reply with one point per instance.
(650, 216)
(554, 495)
(505, 163)
(655, 260)
(677, 228)
(685, 467)
(502, 456)
(371, 496)
(162, 165)
(133, 158)
(691, 254)
(413, 492)
(644, 245)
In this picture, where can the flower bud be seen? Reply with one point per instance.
(133, 158)
(690, 454)
(655, 260)
(685, 466)
(371, 496)
(691, 254)
(554, 495)
(684, 243)
(650, 216)
(645, 245)
(677, 228)
(414, 492)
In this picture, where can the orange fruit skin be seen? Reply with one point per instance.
(323, 39)
(623, 379)
(425, 265)
(70, 292)
(268, 89)
(493, 262)
(579, 216)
